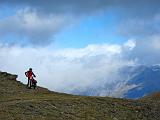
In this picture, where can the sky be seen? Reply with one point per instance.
(78, 44)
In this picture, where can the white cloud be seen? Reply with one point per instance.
(37, 28)
(146, 50)
(156, 42)
(131, 44)
(140, 26)
(94, 66)
(39, 21)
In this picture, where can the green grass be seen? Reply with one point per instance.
(19, 103)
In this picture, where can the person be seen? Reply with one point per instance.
(30, 76)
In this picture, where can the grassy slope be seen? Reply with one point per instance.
(19, 103)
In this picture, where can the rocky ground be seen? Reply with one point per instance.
(20, 103)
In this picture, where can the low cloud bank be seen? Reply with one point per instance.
(68, 70)
(93, 69)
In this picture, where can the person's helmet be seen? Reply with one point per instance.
(30, 69)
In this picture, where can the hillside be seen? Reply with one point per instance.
(19, 103)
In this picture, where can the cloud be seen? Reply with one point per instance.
(37, 29)
(130, 44)
(146, 50)
(63, 6)
(140, 27)
(68, 70)
(39, 22)
(85, 6)
(94, 69)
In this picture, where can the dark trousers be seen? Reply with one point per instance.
(29, 83)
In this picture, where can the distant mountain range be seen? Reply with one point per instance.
(134, 82)
(146, 81)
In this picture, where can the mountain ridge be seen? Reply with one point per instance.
(19, 103)
(147, 81)
(130, 82)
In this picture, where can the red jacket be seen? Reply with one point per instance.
(29, 74)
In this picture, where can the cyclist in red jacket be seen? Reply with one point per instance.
(30, 76)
